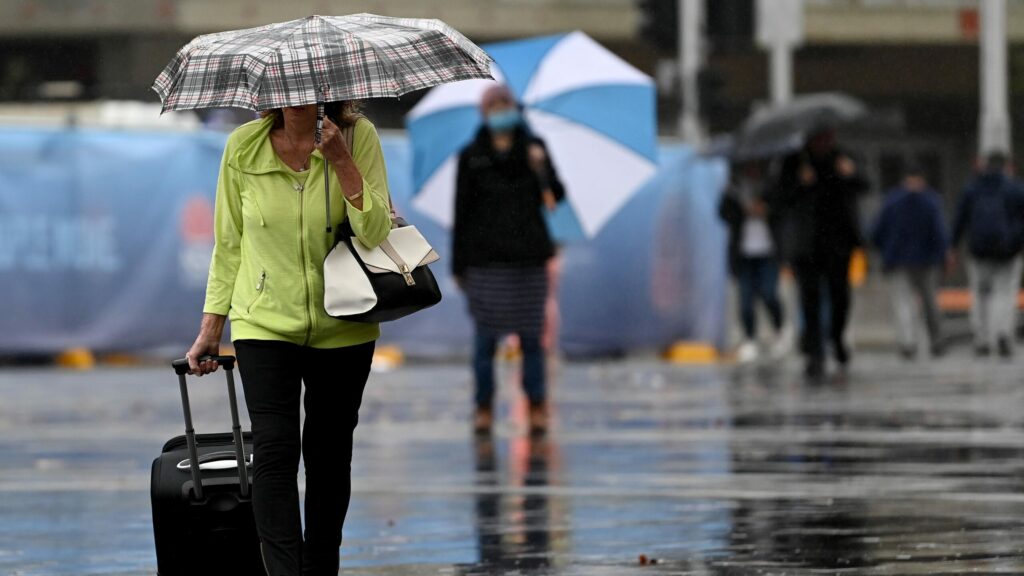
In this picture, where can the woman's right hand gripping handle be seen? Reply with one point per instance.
(206, 344)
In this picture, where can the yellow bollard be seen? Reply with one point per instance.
(77, 359)
(387, 358)
(684, 352)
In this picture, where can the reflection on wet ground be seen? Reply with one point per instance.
(898, 469)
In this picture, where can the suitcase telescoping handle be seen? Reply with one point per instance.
(181, 369)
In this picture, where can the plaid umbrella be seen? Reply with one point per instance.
(317, 59)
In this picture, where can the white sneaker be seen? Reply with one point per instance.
(747, 352)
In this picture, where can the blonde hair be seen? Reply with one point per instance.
(344, 113)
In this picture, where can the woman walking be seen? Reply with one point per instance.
(752, 258)
(266, 276)
(501, 246)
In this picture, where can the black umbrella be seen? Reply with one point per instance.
(781, 129)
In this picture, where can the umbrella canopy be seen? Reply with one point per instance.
(595, 112)
(781, 129)
(316, 59)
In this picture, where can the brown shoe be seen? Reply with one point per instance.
(538, 419)
(483, 419)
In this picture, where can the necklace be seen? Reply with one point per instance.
(305, 157)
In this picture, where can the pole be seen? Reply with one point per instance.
(691, 24)
(995, 118)
(780, 29)
(781, 73)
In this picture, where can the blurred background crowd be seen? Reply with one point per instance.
(105, 205)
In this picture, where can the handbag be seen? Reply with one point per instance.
(379, 284)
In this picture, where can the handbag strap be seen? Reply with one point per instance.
(395, 257)
(349, 132)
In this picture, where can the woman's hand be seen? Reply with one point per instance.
(538, 159)
(332, 145)
(548, 197)
(335, 150)
(807, 175)
(845, 167)
(757, 208)
(206, 344)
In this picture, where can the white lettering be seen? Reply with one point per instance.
(43, 243)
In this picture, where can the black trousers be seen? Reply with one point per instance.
(834, 271)
(272, 376)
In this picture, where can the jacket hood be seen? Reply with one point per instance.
(254, 154)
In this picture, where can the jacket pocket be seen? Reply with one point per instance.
(261, 283)
(251, 208)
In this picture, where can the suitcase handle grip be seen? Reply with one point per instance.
(181, 364)
(181, 369)
(206, 459)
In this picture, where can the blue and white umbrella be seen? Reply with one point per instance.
(595, 112)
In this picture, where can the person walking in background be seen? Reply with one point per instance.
(266, 276)
(752, 257)
(501, 246)
(990, 216)
(910, 233)
(813, 208)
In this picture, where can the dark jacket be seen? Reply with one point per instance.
(910, 230)
(811, 221)
(991, 186)
(499, 206)
(732, 211)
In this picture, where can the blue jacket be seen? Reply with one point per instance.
(982, 245)
(910, 230)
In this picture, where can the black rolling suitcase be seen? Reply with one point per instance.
(202, 516)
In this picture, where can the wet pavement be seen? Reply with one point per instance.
(899, 469)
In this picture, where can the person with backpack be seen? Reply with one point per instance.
(991, 219)
(910, 233)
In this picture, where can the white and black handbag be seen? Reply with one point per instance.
(379, 284)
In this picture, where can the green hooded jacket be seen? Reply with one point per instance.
(266, 274)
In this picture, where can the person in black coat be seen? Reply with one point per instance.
(501, 245)
(814, 213)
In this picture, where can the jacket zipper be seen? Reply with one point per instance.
(302, 252)
(259, 290)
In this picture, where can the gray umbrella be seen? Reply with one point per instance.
(780, 129)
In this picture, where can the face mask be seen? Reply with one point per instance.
(504, 121)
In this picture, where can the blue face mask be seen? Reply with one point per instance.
(504, 121)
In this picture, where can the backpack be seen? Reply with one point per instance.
(993, 231)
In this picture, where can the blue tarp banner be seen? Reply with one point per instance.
(105, 241)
